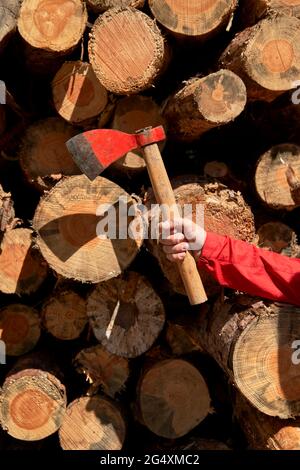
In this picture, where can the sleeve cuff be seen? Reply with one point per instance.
(212, 246)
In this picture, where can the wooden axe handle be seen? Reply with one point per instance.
(164, 195)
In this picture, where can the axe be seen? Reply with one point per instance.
(93, 151)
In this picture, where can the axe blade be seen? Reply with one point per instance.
(93, 151)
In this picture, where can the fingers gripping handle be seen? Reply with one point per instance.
(164, 195)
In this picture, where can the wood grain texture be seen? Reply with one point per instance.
(92, 423)
(66, 221)
(204, 103)
(126, 315)
(134, 39)
(193, 18)
(9, 10)
(278, 237)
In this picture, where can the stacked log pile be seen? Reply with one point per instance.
(100, 348)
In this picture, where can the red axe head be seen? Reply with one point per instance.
(93, 151)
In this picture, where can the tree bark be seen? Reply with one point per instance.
(77, 93)
(102, 370)
(225, 213)
(204, 103)
(22, 269)
(19, 328)
(277, 177)
(266, 57)
(126, 315)
(131, 114)
(143, 52)
(33, 399)
(254, 343)
(100, 6)
(194, 19)
(92, 423)
(44, 157)
(67, 222)
(251, 11)
(64, 315)
(172, 398)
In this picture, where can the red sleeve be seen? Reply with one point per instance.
(242, 266)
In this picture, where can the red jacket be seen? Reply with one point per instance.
(244, 267)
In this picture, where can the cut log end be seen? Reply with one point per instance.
(64, 315)
(204, 103)
(126, 315)
(173, 398)
(52, 25)
(263, 365)
(131, 114)
(9, 10)
(92, 424)
(70, 238)
(77, 93)
(32, 404)
(195, 19)
(278, 237)
(142, 55)
(44, 156)
(22, 269)
(19, 328)
(103, 369)
(272, 181)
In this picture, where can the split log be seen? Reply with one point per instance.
(44, 157)
(134, 39)
(100, 6)
(277, 177)
(92, 423)
(131, 114)
(266, 56)
(64, 315)
(254, 343)
(19, 328)
(126, 315)
(102, 369)
(265, 432)
(280, 238)
(221, 210)
(51, 28)
(67, 220)
(33, 399)
(22, 269)
(194, 19)
(77, 93)
(251, 11)
(9, 10)
(204, 103)
(172, 398)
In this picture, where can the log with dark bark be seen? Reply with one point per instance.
(33, 399)
(225, 213)
(277, 177)
(251, 11)
(51, 29)
(44, 157)
(102, 370)
(19, 328)
(68, 221)
(204, 103)
(22, 269)
(254, 343)
(92, 423)
(131, 114)
(126, 314)
(265, 432)
(77, 93)
(266, 56)
(193, 19)
(182, 334)
(64, 314)
(126, 50)
(100, 6)
(172, 398)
